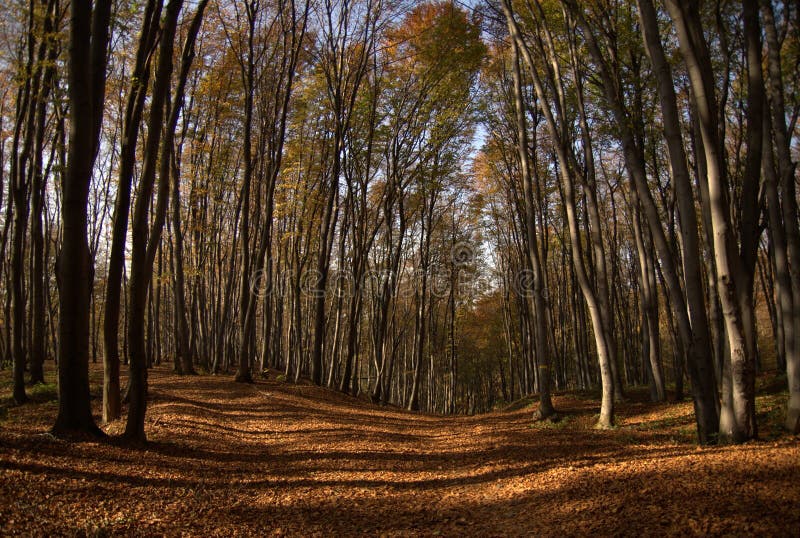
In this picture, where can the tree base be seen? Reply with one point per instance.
(546, 414)
(243, 377)
(605, 421)
(792, 423)
(110, 417)
(77, 434)
(131, 440)
(603, 425)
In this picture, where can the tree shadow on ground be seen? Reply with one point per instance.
(226, 458)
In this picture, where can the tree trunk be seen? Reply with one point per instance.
(691, 323)
(89, 36)
(112, 406)
(38, 188)
(546, 409)
(787, 190)
(737, 420)
(181, 321)
(141, 258)
(606, 419)
(649, 306)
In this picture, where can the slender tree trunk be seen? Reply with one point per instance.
(146, 240)
(546, 409)
(22, 147)
(606, 419)
(787, 190)
(737, 421)
(691, 323)
(38, 188)
(244, 372)
(182, 328)
(112, 406)
(649, 308)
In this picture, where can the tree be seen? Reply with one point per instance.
(692, 328)
(782, 204)
(145, 242)
(137, 93)
(737, 421)
(557, 130)
(347, 41)
(89, 36)
(546, 409)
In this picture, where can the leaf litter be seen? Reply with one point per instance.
(273, 458)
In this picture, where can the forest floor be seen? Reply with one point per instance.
(276, 458)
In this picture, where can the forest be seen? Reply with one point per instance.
(291, 256)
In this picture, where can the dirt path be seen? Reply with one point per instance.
(274, 458)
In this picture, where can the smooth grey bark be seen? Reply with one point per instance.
(594, 229)
(737, 419)
(683, 189)
(546, 409)
(750, 207)
(693, 336)
(789, 210)
(606, 419)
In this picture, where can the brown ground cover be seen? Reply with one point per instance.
(280, 459)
